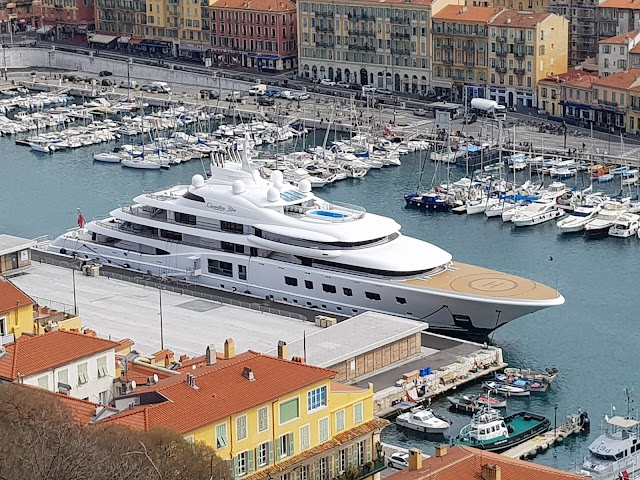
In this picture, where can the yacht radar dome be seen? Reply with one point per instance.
(238, 187)
(273, 195)
(304, 186)
(197, 181)
(277, 176)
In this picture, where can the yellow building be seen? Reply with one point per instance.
(525, 47)
(613, 104)
(269, 417)
(567, 95)
(16, 312)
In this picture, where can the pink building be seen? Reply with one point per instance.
(254, 33)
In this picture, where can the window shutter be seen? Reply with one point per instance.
(235, 465)
(250, 461)
(270, 448)
(291, 444)
(312, 471)
(330, 469)
(367, 449)
(350, 456)
(278, 449)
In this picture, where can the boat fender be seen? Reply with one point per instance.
(63, 251)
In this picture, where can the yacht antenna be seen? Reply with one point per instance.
(628, 401)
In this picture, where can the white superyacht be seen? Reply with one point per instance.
(239, 232)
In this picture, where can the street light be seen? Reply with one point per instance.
(73, 276)
(129, 60)
(555, 415)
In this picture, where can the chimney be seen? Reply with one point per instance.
(415, 459)
(248, 374)
(282, 349)
(491, 472)
(183, 358)
(229, 349)
(441, 450)
(210, 354)
(298, 360)
(191, 381)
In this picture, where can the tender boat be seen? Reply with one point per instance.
(489, 431)
(577, 219)
(537, 212)
(422, 420)
(284, 243)
(520, 390)
(625, 226)
(473, 403)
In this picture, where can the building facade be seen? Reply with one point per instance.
(121, 18)
(567, 95)
(611, 97)
(20, 15)
(364, 42)
(617, 17)
(16, 309)
(524, 47)
(68, 17)
(583, 34)
(256, 34)
(614, 53)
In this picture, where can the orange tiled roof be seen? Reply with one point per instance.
(11, 296)
(571, 76)
(620, 39)
(585, 81)
(256, 5)
(82, 411)
(620, 80)
(140, 373)
(33, 354)
(465, 463)
(515, 19)
(466, 14)
(625, 4)
(221, 391)
(344, 388)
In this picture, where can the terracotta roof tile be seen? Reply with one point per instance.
(465, 463)
(344, 388)
(515, 19)
(620, 80)
(82, 411)
(140, 373)
(625, 4)
(11, 296)
(32, 354)
(466, 14)
(222, 391)
(255, 5)
(576, 78)
(620, 39)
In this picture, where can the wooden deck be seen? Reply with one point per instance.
(532, 447)
(472, 280)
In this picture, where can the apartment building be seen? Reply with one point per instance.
(567, 95)
(583, 34)
(255, 33)
(66, 17)
(611, 97)
(524, 47)
(616, 17)
(387, 45)
(120, 18)
(614, 53)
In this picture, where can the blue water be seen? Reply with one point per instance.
(591, 339)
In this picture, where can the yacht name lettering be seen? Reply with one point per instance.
(221, 208)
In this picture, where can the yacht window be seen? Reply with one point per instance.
(328, 288)
(171, 235)
(401, 300)
(253, 251)
(193, 196)
(291, 281)
(220, 268)
(372, 296)
(231, 227)
(347, 292)
(232, 247)
(308, 284)
(373, 271)
(185, 218)
(242, 272)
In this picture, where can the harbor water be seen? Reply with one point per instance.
(590, 339)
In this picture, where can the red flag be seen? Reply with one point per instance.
(625, 475)
(80, 219)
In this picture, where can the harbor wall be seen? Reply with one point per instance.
(37, 57)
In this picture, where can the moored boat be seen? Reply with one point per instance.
(473, 403)
(521, 390)
(549, 374)
(422, 420)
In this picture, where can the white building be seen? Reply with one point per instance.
(76, 364)
(613, 53)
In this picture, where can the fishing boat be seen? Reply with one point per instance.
(489, 431)
(534, 386)
(515, 390)
(422, 420)
(549, 374)
(473, 403)
(626, 225)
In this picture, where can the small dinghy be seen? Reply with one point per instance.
(508, 390)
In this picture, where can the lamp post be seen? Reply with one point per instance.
(73, 277)
(555, 419)
(128, 79)
(161, 327)
(11, 9)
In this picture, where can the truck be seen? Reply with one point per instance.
(489, 108)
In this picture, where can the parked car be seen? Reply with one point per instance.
(234, 96)
(131, 84)
(105, 73)
(301, 96)
(368, 89)
(470, 118)
(327, 83)
(272, 93)
(343, 84)
(208, 94)
(149, 88)
(398, 460)
(106, 82)
(266, 101)
(287, 95)
(420, 112)
(384, 91)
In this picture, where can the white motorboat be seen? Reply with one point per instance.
(605, 219)
(506, 390)
(288, 245)
(40, 147)
(577, 219)
(140, 163)
(107, 157)
(422, 420)
(537, 212)
(626, 225)
(499, 209)
(481, 205)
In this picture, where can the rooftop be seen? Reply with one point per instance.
(621, 80)
(626, 4)
(256, 5)
(222, 390)
(515, 19)
(465, 463)
(466, 14)
(82, 411)
(575, 78)
(32, 354)
(350, 338)
(620, 39)
(10, 244)
(12, 297)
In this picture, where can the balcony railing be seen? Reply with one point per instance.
(519, 40)
(501, 39)
(324, 14)
(363, 33)
(447, 61)
(321, 43)
(401, 51)
(400, 20)
(324, 28)
(519, 53)
(367, 470)
(360, 16)
(519, 71)
(501, 53)
(447, 46)
(362, 48)
(501, 69)
(400, 34)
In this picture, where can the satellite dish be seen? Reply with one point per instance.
(133, 384)
(155, 378)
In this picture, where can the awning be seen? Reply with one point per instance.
(99, 38)
(135, 41)
(441, 83)
(124, 39)
(44, 29)
(268, 57)
(192, 48)
(152, 43)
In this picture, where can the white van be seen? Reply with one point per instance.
(258, 90)
(131, 84)
(162, 87)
